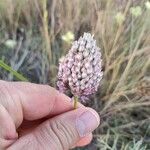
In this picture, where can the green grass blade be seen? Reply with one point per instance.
(15, 73)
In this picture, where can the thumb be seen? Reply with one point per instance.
(61, 132)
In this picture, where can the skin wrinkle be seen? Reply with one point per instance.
(7, 95)
(44, 134)
(61, 128)
(2, 94)
(54, 102)
(18, 120)
(28, 142)
(37, 140)
(5, 113)
(21, 106)
(2, 109)
(68, 134)
(6, 144)
(54, 127)
(65, 132)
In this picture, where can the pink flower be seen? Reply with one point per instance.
(80, 70)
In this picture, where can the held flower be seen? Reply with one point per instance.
(80, 70)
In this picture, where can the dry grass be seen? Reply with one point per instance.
(123, 99)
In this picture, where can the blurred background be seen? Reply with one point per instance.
(35, 34)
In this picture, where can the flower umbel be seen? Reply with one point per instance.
(68, 37)
(80, 70)
(136, 11)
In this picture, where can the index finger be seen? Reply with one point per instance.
(37, 101)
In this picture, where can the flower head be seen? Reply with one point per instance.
(68, 37)
(136, 11)
(120, 18)
(10, 43)
(80, 70)
(147, 5)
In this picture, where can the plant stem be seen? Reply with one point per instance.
(75, 102)
(15, 73)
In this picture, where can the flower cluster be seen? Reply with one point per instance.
(80, 70)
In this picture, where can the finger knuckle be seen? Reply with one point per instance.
(59, 134)
(63, 133)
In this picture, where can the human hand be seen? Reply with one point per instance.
(38, 117)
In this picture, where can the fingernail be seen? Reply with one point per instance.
(87, 122)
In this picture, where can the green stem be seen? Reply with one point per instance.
(75, 102)
(15, 73)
